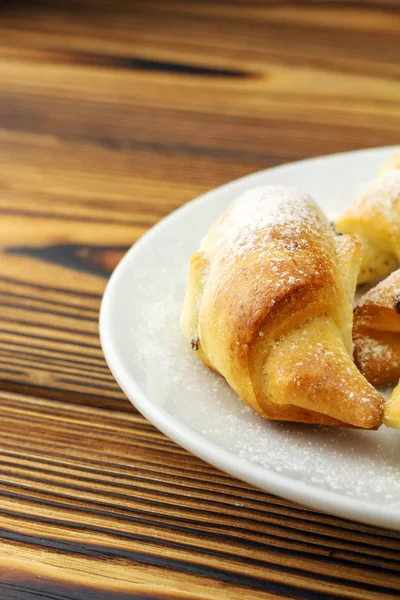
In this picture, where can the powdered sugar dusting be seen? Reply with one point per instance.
(324, 365)
(383, 194)
(267, 209)
(261, 208)
(373, 350)
(276, 233)
(373, 356)
(378, 208)
(384, 294)
(392, 163)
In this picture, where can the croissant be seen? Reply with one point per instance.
(391, 416)
(376, 332)
(374, 217)
(392, 163)
(269, 307)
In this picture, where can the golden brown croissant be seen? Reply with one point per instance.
(374, 217)
(392, 163)
(376, 332)
(391, 416)
(269, 307)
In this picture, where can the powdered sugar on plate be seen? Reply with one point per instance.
(348, 472)
(358, 464)
(382, 196)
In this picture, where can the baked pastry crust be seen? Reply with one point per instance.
(391, 416)
(269, 307)
(376, 332)
(374, 216)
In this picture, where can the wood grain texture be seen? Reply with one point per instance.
(77, 486)
(113, 114)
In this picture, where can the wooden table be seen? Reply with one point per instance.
(112, 114)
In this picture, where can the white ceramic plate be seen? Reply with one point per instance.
(352, 474)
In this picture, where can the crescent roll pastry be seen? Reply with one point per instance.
(376, 332)
(374, 217)
(392, 163)
(269, 307)
(391, 416)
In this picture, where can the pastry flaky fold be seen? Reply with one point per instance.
(269, 307)
(391, 416)
(374, 216)
(376, 331)
(376, 337)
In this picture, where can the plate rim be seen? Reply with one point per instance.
(264, 478)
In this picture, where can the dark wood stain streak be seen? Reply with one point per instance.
(265, 158)
(71, 256)
(31, 589)
(317, 551)
(141, 64)
(110, 553)
(182, 565)
(11, 371)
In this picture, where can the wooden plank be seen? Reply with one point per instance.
(87, 497)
